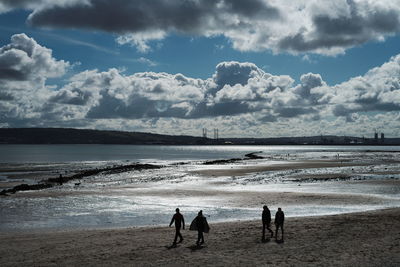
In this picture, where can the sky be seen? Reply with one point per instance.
(254, 68)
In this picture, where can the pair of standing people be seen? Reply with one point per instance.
(266, 220)
(199, 224)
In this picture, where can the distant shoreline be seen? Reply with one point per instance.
(86, 136)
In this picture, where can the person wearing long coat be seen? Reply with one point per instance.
(201, 225)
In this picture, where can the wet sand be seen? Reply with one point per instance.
(294, 165)
(254, 199)
(358, 239)
(226, 197)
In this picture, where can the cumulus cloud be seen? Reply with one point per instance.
(238, 96)
(236, 90)
(24, 59)
(313, 26)
(113, 95)
(24, 68)
(377, 90)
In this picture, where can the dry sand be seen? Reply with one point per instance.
(358, 239)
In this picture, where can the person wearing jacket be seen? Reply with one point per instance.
(179, 222)
(266, 221)
(279, 220)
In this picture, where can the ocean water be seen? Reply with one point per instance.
(78, 153)
(149, 197)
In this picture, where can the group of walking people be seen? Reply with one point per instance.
(200, 225)
(266, 220)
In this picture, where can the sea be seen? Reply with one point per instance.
(149, 197)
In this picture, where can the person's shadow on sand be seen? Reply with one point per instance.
(195, 247)
(279, 241)
(172, 246)
(267, 240)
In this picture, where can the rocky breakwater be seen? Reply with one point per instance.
(85, 173)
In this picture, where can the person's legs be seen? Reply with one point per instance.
(199, 233)
(180, 236)
(269, 229)
(263, 232)
(276, 231)
(176, 235)
(202, 238)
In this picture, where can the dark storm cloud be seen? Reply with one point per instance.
(8, 5)
(5, 96)
(292, 112)
(357, 27)
(10, 74)
(18, 3)
(229, 108)
(324, 27)
(121, 16)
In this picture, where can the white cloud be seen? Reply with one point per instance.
(24, 59)
(239, 98)
(377, 90)
(141, 39)
(146, 61)
(24, 67)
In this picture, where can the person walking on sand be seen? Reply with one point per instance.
(179, 222)
(266, 220)
(279, 220)
(201, 225)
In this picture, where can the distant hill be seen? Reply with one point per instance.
(84, 136)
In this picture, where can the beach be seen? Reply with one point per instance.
(341, 210)
(357, 239)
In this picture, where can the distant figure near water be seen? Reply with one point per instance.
(266, 220)
(179, 222)
(201, 225)
(279, 220)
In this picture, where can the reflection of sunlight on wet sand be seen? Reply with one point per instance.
(302, 187)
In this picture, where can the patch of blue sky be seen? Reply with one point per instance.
(194, 57)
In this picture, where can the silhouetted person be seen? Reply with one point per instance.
(60, 179)
(279, 220)
(266, 220)
(179, 222)
(201, 225)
